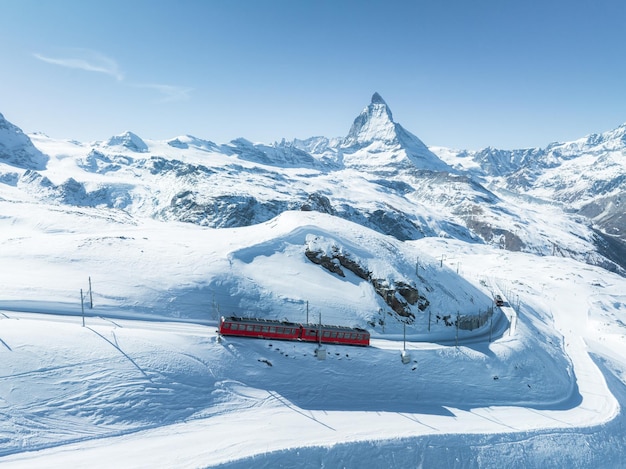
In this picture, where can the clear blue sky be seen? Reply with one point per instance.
(457, 73)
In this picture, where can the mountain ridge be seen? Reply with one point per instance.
(380, 176)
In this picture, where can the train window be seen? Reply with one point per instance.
(340, 335)
(273, 329)
(225, 325)
(250, 327)
(326, 334)
(265, 328)
(333, 334)
(258, 328)
(279, 330)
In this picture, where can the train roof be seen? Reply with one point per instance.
(261, 321)
(276, 322)
(334, 328)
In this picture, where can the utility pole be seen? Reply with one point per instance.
(319, 334)
(90, 295)
(405, 356)
(307, 311)
(404, 335)
(213, 309)
(82, 306)
(457, 330)
(320, 353)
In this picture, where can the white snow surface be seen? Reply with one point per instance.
(141, 378)
(146, 382)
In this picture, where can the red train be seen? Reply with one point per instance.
(282, 330)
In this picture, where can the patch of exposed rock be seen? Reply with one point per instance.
(399, 296)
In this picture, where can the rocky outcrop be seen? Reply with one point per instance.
(398, 295)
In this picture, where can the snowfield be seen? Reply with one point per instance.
(146, 382)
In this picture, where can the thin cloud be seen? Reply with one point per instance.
(170, 93)
(87, 60)
(92, 61)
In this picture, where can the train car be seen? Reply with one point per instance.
(335, 335)
(283, 330)
(259, 328)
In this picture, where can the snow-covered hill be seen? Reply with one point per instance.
(373, 230)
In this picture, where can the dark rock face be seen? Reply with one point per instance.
(329, 263)
(318, 203)
(399, 296)
(506, 239)
(222, 211)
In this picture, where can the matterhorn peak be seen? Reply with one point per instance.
(375, 140)
(378, 99)
(374, 123)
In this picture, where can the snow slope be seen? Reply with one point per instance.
(127, 390)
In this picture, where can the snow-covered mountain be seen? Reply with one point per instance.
(151, 241)
(379, 175)
(586, 176)
(376, 143)
(17, 150)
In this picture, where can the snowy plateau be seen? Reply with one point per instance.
(118, 257)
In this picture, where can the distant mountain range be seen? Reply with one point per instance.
(566, 199)
(587, 176)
